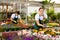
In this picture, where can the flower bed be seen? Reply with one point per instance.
(30, 35)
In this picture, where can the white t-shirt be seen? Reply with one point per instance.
(37, 16)
(14, 15)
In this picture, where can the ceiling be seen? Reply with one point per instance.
(23, 2)
(16, 1)
(9, 1)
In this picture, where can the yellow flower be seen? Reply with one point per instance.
(35, 30)
(40, 29)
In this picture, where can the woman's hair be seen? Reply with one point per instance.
(41, 7)
(17, 12)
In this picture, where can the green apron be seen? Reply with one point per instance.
(15, 18)
(38, 27)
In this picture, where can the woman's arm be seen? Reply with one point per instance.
(12, 17)
(13, 20)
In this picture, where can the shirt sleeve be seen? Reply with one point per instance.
(19, 17)
(37, 17)
(45, 15)
(12, 16)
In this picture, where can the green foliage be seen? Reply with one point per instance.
(31, 18)
(1, 14)
(58, 16)
(53, 17)
(45, 2)
(23, 15)
(46, 21)
(51, 14)
(33, 15)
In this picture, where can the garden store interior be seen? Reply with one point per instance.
(27, 10)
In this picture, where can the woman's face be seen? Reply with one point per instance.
(41, 11)
(16, 13)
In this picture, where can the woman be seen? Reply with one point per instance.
(15, 18)
(39, 17)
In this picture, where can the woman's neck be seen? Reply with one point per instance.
(16, 14)
(41, 14)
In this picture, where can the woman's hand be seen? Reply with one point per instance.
(43, 26)
(15, 21)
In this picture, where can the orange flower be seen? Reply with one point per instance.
(52, 32)
(7, 22)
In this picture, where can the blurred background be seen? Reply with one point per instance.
(28, 8)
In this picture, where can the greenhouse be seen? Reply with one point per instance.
(29, 19)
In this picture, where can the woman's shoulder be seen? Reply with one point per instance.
(37, 15)
(13, 14)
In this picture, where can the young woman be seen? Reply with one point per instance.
(39, 17)
(15, 18)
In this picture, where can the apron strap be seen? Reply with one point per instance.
(15, 18)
